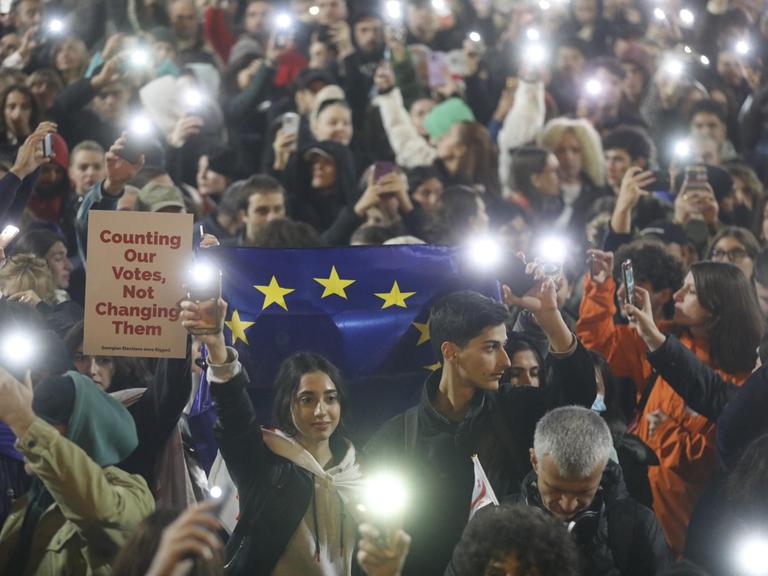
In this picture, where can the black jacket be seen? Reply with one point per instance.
(274, 492)
(615, 536)
(435, 453)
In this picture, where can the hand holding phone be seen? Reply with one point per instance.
(628, 279)
(7, 235)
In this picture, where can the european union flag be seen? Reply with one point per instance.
(364, 308)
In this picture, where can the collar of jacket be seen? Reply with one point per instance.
(476, 406)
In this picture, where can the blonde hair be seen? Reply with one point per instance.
(589, 139)
(28, 272)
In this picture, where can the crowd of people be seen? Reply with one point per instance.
(615, 153)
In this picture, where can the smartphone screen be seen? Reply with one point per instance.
(7, 235)
(290, 123)
(628, 275)
(381, 169)
(437, 70)
(48, 145)
(696, 176)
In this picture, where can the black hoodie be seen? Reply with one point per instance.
(332, 215)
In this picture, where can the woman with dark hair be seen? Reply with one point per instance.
(109, 373)
(20, 116)
(296, 482)
(461, 214)
(535, 183)
(717, 319)
(527, 367)
(735, 245)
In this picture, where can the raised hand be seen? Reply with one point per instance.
(641, 317)
(602, 265)
(30, 155)
(119, 170)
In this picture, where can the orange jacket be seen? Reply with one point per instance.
(685, 441)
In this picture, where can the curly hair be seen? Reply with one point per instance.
(593, 164)
(652, 264)
(28, 272)
(538, 542)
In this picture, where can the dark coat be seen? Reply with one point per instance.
(615, 536)
(436, 453)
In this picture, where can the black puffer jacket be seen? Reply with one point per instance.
(615, 535)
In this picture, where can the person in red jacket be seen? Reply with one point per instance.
(717, 318)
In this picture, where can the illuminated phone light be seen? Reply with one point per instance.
(194, 98)
(141, 126)
(687, 17)
(659, 14)
(284, 21)
(687, 49)
(742, 47)
(18, 348)
(535, 53)
(533, 34)
(593, 87)
(704, 60)
(314, 10)
(56, 26)
(475, 37)
(544, 5)
(682, 149)
(673, 67)
(216, 492)
(140, 58)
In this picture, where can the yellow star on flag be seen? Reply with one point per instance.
(334, 285)
(238, 328)
(394, 297)
(433, 367)
(274, 294)
(423, 332)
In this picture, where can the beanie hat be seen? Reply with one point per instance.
(155, 196)
(445, 115)
(60, 152)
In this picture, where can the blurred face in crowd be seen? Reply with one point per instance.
(568, 152)
(634, 81)
(59, 264)
(482, 362)
(334, 123)
(44, 92)
(570, 61)
(257, 18)
(323, 172)
(688, 310)
(70, 55)
(617, 162)
(422, 21)
(419, 110)
(208, 181)
(101, 369)
(28, 14)
(86, 168)
(611, 94)
(705, 150)
(184, 19)
(315, 409)
(369, 35)
(331, 11)
(9, 43)
(708, 124)
(564, 497)
(730, 68)
(111, 103)
(17, 112)
(585, 11)
(449, 146)
(547, 181)
(320, 55)
(428, 194)
(262, 209)
(729, 249)
(524, 370)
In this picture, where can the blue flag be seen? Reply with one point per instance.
(364, 308)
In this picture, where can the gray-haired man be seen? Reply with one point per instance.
(573, 480)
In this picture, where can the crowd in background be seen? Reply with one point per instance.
(619, 420)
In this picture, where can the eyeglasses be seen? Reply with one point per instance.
(732, 255)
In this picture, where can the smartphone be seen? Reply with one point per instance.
(516, 277)
(437, 70)
(206, 294)
(48, 146)
(221, 499)
(594, 266)
(628, 277)
(7, 235)
(381, 169)
(291, 122)
(696, 177)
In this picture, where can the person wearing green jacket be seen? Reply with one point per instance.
(80, 508)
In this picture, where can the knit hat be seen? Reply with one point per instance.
(155, 196)
(222, 161)
(445, 115)
(60, 152)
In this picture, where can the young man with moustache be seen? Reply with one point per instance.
(464, 411)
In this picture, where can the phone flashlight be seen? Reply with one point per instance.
(475, 37)
(18, 351)
(673, 67)
(752, 555)
(544, 5)
(533, 34)
(593, 87)
(140, 125)
(193, 99)
(204, 289)
(552, 252)
(704, 60)
(55, 26)
(687, 17)
(659, 14)
(385, 497)
(628, 277)
(535, 53)
(139, 58)
(682, 149)
(742, 47)
(441, 7)
(483, 252)
(314, 10)
(7, 235)
(283, 21)
(394, 10)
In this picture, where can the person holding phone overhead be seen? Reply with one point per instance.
(716, 317)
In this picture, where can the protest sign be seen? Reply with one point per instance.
(136, 267)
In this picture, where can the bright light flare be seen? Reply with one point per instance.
(484, 252)
(216, 492)
(18, 348)
(553, 250)
(283, 21)
(441, 7)
(475, 36)
(535, 53)
(193, 98)
(202, 274)
(742, 47)
(141, 126)
(593, 87)
(533, 34)
(659, 14)
(682, 149)
(385, 495)
(673, 67)
(139, 58)
(704, 60)
(687, 18)
(544, 5)
(394, 9)
(752, 555)
(56, 26)
(314, 10)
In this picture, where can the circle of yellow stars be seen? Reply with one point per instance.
(333, 285)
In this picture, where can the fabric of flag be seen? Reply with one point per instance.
(364, 308)
(482, 493)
